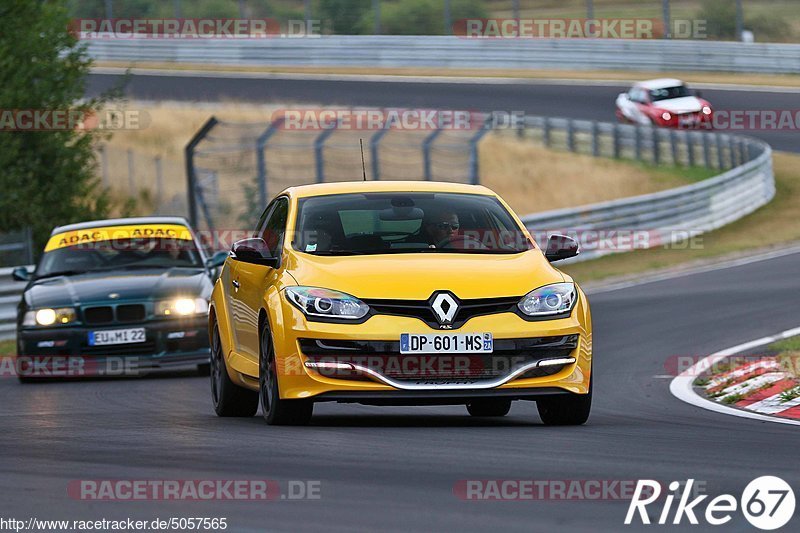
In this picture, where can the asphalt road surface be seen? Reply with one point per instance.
(589, 102)
(395, 468)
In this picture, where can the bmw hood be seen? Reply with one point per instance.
(416, 276)
(686, 104)
(82, 289)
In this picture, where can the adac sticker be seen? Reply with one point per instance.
(110, 233)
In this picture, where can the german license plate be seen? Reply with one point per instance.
(427, 343)
(116, 336)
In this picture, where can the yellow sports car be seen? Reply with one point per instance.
(397, 293)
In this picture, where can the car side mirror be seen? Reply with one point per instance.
(253, 251)
(561, 247)
(20, 274)
(216, 260)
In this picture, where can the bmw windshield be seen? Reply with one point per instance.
(391, 223)
(117, 249)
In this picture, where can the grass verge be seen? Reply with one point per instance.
(8, 348)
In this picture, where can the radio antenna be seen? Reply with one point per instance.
(363, 165)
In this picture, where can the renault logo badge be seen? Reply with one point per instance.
(444, 307)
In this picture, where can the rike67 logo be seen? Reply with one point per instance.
(767, 503)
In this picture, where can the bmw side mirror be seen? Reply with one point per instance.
(561, 247)
(253, 251)
(216, 260)
(20, 274)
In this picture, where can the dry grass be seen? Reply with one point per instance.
(772, 225)
(533, 178)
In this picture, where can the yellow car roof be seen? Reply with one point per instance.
(344, 187)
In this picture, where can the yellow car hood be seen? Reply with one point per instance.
(415, 276)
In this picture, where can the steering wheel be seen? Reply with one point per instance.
(461, 242)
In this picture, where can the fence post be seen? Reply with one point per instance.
(673, 144)
(570, 135)
(319, 144)
(638, 143)
(191, 176)
(706, 150)
(159, 182)
(595, 139)
(474, 175)
(615, 137)
(546, 132)
(426, 152)
(654, 133)
(732, 151)
(131, 183)
(373, 150)
(720, 155)
(690, 149)
(743, 155)
(104, 165)
(29, 245)
(261, 162)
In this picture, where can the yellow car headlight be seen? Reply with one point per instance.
(182, 307)
(49, 317)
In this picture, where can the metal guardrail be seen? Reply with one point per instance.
(664, 217)
(399, 51)
(10, 294)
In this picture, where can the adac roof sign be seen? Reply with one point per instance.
(110, 233)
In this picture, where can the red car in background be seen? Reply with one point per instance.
(664, 102)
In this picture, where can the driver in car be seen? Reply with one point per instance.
(439, 228)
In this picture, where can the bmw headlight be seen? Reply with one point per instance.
(49, 317)
(555, 299)
(315, 302)
(181, 307)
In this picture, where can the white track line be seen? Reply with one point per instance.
(681, 386)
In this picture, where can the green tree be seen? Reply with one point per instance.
(344, 17)
(425, 17)
(48, 177)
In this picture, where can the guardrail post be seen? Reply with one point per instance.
(656, 146)
(743, 155)
(29, 245)
(720, 155)
(673, 144)
(426, 152)
(159, 182)
(131, 178)
(373, 150)
(595, 139)
(637, 142)
(103, 165)
(706, 149)
(474, 175)
(319, 144)
(690, 148)
(261, 159)
(617, 147)
(191, 176)
(546, 132)
(570, 135)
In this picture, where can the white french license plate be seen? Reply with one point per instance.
(424, 343)
(116, 336)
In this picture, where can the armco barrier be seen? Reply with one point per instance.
(666, 216)
(454, 52)
(10, 293)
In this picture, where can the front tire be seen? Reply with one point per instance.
(489, 407)
(567, 410)
(276, 411)
(229, 399)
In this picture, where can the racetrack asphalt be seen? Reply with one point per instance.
(573, 100)
(394, 468)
